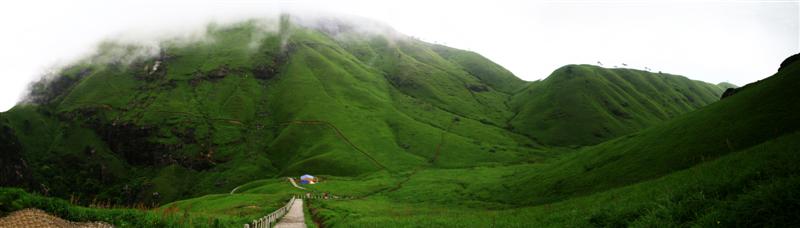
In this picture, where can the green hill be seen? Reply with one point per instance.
(380, 115)
(727, 85)
(728, 164)
(758, 113)
(202, 117)
(584, 104)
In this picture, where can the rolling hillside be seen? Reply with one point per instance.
(758, 113)
(141, 124)
(585, 105)
(731, 163)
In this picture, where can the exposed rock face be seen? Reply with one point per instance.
(13, 169)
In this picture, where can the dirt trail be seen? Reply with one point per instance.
(234, 189)
(295, 183)
(38, 218)
(295, 218)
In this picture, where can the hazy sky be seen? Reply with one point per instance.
(713, 41)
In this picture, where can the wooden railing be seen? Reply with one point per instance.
(272, 218)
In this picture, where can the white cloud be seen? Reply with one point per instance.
(735, 41)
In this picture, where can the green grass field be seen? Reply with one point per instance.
(412, 134)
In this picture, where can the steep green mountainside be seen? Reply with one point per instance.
(584, 104)
(758, 113)
(198, 117)
(248, 101)
(731, 163)
(492, 74)
(720, 165)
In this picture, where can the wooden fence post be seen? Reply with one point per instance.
(272, 218)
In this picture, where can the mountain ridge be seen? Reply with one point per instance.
(604, 103)
(203, 117)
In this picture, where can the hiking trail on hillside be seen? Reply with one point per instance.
(294, 183)
(295, 218)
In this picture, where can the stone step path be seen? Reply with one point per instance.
(295, 218)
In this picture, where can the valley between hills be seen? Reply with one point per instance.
(400, 133)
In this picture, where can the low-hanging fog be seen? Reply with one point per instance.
(733, 41)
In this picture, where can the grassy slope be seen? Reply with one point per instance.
(487, 71)
(726, 85)
(156, 132)
(757, 114)
(752, 187)
(222, 112)
(585, 105)
(219, 113)
(698, 169)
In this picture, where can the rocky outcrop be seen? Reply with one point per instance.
(38, 218)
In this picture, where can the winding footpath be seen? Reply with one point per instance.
(234, 189)
(295, 184)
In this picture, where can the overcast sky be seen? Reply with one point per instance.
(713, 41)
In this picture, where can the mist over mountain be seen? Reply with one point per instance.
(392, 120)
